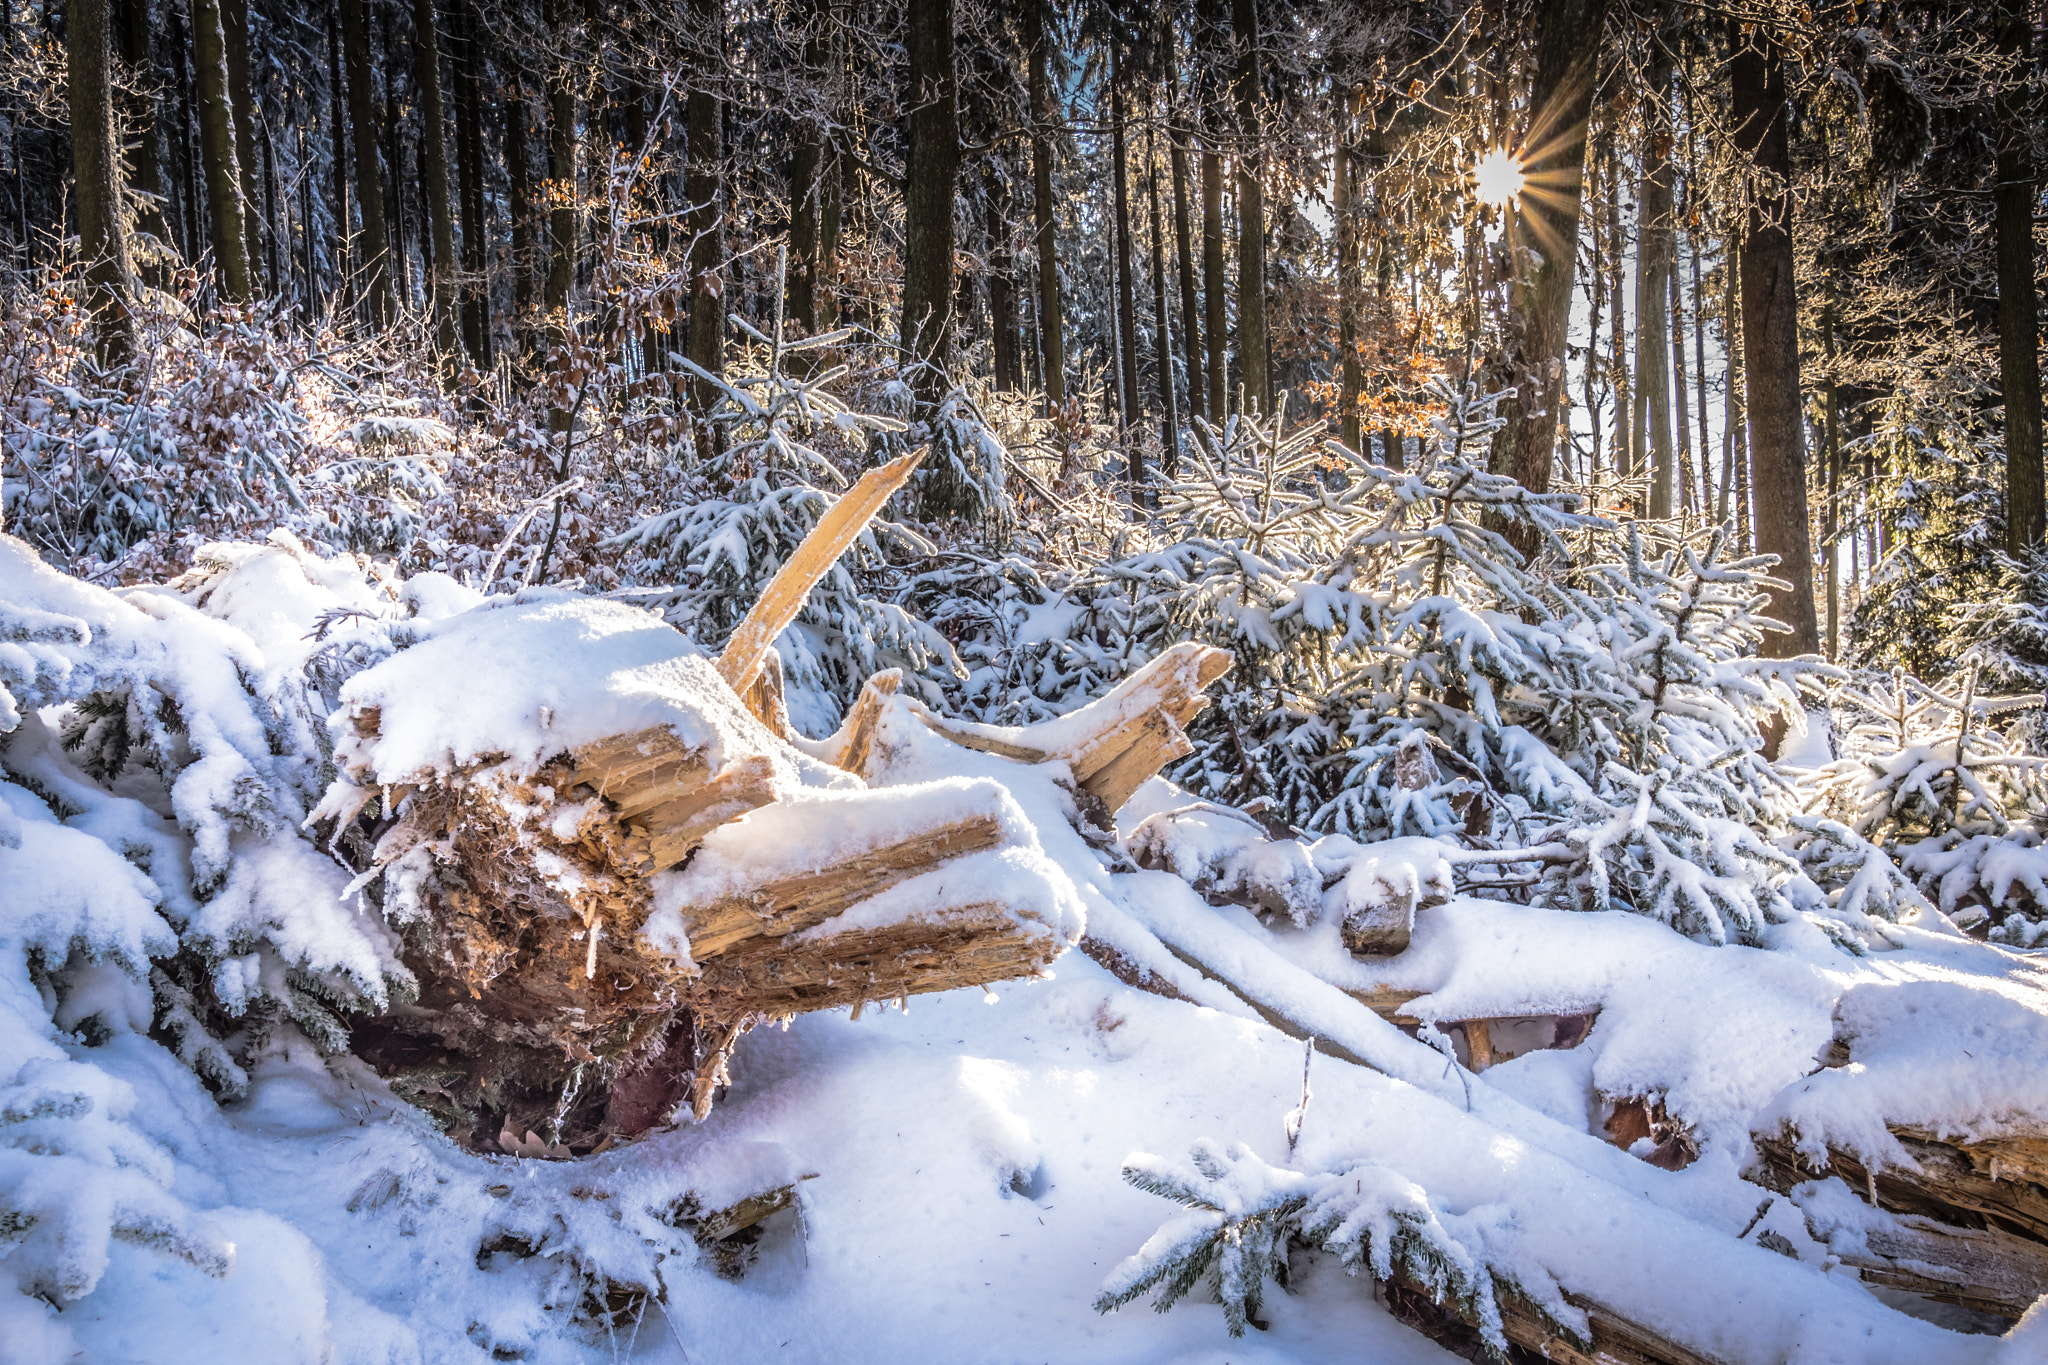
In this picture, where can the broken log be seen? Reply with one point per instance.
(784, 596)
(1111, 745)
(1997, 1185)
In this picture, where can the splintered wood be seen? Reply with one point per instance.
(543, 1009)
(1114, 744)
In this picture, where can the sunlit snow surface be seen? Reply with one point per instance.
(963, 1199)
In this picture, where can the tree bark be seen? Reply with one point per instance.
(2019, 357)
(1770, 337)
(338, 140)
(234, 19)
(1216, 287)
(1126, 283)
(1180, 136)
(217, 144)
(526, 269)
(145, 174)
(96, 167)
(1162, 333)
(1567, 61)
(564, 195)
(363, 123)
(434, 171)
(704, 188)
(476, 296)
(931, 172)
(1653, 284)
(1345, 229)
(1002, 284)
(1253, 345)
(1051, 316)
(1681, 429)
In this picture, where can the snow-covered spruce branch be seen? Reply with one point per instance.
(1243, 1212)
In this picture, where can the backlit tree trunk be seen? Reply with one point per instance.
(434, 170)
(1253, 345)
(1567, 59)
(1051, 317)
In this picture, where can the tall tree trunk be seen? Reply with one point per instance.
(1653, 282)
(1216, 324)
(1051, 317)
(1567, 59)
(2019, 357)
(1126, 284)
(931, 173)
(1625, 453)
(338, 140)
(476, 296)
(234, 19)
(1681, 429)
(1595, 293)
(374, 240)
(396, 180)
(564, 194)
(434, 171)
(217, 140)
(526, 265)
(1162, 333)
(1770, 337)
(145, 175)
(1002, 282)
(1253, 345)
(1831, 513)
(96, 168)
(805, 198)
(1345, 229)
(704, 188)
(1180, 136)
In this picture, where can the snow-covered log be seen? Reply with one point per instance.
(1113, 744)
(606, 869)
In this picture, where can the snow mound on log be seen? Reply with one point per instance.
(520, 679)
(1959, 1059)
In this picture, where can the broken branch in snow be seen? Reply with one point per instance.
(1113, 744)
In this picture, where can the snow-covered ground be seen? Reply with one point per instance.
(960, 1163)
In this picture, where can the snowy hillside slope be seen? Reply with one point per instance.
(169, 1196)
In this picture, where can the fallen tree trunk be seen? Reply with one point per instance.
(592, 935)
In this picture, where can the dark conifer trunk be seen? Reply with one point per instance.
(1126, 286)
(226, 212)
(2019, 324)
(476, 294)
(526, 262)
(1344, 107)
(1770, 338)
(145, 176)
(374, 240)
(1002, 283)
(1051, 317)
(931, 174)
(338, 142)
(805, 188)
(234, 18)
(703, 187)
(564, 194)
(434, 171)
(1162, 333)
(96, 168)
(1180, 135)
(1217, 324)
(1253, 345)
